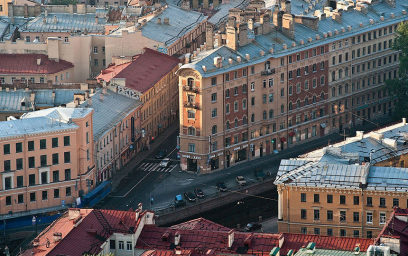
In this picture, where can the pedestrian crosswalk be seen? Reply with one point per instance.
(155, 167)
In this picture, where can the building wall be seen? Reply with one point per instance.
(66, 76)
(79, 165)
(292, 207)
(3, 8)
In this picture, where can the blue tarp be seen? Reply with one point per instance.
(27, 221)
(97, 190)
(99, 197)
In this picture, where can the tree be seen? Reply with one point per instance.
(399, 85)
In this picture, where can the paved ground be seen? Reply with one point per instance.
(142, 178)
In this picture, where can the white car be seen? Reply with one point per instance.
(241, 181)
(165, 162)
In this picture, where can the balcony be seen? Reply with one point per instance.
(268, 72)
(191, 89)
(191, 105)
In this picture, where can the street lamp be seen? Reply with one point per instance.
(34, 222)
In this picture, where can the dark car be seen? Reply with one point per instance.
(199, 192)
(189, 196)
(252, 226)
(259, 174)
(178, 201)
(221, 186)
(161, 154)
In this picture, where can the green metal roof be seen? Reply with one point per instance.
(322, 252)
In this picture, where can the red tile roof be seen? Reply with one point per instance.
(397, 227)
(200, 224)
(27, 64)
(147, 69)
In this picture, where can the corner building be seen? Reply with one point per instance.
(273, 79)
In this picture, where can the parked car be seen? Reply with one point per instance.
(259, 174)
(252, 226)
(199, 193)
(189, 196)
(178, 201)
(221, 186)
(161, 154)
(165, 162)
(241, 180)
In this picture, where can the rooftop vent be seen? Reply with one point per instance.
(57, 236)
(166, 236)
(204, 68)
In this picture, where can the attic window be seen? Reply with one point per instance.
(165, 236)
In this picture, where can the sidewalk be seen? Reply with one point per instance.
(120, 174)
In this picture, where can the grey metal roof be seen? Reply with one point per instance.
(11, 101)
(264, 42)
(180, 23)
(65, 23)
(59, 113)
(110, 111)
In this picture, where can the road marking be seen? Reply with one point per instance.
(171, 152)
(134, 186)
(172, 168)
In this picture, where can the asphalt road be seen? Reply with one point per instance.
(164, 183)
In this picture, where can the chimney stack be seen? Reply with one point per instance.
(230, 238)
(177, 238)
(101, 96)
(159, 21)
(44, 20)
(166, 21)
(38, 61)
(55, 19)
(96, 20)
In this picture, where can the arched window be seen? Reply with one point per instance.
(253, 117)
(290, 106)
(236, 122)
(340, 74)
(346, 72)
(333, 76)
(271, 113)
(322, 96)
(267, 65)
(228, 125)
(244, 120)
(298, 103)
(306, 101)
(264, 114)
(346, 88)
(333, 91)
(282, 108)
(190, 82)
(191, 131)
(314, 98)
(214, 129)
(340, 90)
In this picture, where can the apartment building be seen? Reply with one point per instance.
(46, 160)
(347, 189)
(268, 81)
(149, 77)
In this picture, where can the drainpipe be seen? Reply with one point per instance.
(287, 102)
(247, 113)
(287, 206)
(223, 119)
(362, 212)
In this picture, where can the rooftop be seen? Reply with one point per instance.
(109, 111)
(146, 70)
(180, 23)
(351, 163)
(353, 22)
(28, 64)
(323, 252)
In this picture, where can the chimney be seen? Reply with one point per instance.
(90, 101)
(177, 238)
(404, 121)
(286, 7)
(209, 36)
(230, 238)
(45, 13)
(230, 61)
(96, 20)
(247, 56)
(166, 21)
(382, 18)
(239, 59)
(38, 61)
(87, 94)
(187, 58)
(392, 15)
(55, 19)
(140, 207)
(159, 21)
(232, 37)
(204, 68)
(144, 22)
(177, 250)
(7, 89)
(44, 20)
(137, 214)
(101, 96)
(104, 90)
(53, 95)
(360, 134)
(404, 12)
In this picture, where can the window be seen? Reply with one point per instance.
(303, 230)
(303, 214)
(369, 234)
(190, 114)
(316, 231)
(214, 81)
(44, 195)
(356, 217)
(19, 163)
(20, 199)
(382, 202)
(31, 145)
(214, 97)
(67, 141)
(329, 215)
(214, 112)
(253, 86)
(244, 104)
(290, 75)
(316, 198)
(342, 215)
(342, 199)
(55, 159)
(330, 232)
(43, 144)
(329, 199)
(55, 176)
(68, 191)
(343, 232)
(56, 193)
(382, 218)
(6, 149)
(253, 101)
(67, 174)
(271, 113)
(244, 88)
(227, 108)
(129, 246)
(214, 129)
(264, 98)
(191, 147)
(395, 202)
(270, 82)
(191, 131)
(31, 179)
(356, 200)
(253, 117)
(7, 183)
(236, 106)
(303, 197)
(322, 80)
(67, 157)
(316, 214)
(121, 245)
(43, 160)
(95, 49)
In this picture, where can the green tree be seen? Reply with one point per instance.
(399, 85)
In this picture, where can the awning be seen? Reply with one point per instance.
(291, 134)
(323, 125)
(283, 139)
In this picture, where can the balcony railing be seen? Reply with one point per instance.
(268, 72)
(191, 89)
(194, 105)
